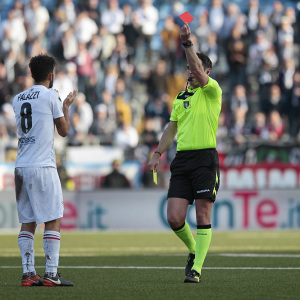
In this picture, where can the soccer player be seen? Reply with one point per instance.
(38, 190)
(195, 168)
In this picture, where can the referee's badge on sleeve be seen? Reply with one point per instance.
(186, 104)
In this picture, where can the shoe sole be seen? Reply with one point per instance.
(52, 284)
(32, 284)
(191, 281)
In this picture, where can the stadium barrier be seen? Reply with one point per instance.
(134, 210)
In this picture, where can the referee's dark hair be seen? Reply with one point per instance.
(205, 60)
(40, 66)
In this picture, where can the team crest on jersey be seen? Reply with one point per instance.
(186, 104)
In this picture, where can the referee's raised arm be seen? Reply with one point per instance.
(194, 63)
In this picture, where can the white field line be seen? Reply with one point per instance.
(167, 249)
(168, 268)
(258, 255)
(66, 253)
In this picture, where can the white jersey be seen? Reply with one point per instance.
(35, 110)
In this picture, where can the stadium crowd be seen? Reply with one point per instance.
(126, 60)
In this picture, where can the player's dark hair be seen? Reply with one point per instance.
(40, 66)
(205, 60)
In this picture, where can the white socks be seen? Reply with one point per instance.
(51, 244)
(25, 241)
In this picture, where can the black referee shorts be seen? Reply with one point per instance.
(195, 174)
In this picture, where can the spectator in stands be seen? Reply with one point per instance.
(126, 136)
(231, 17)
(8, 120)
(84, 28)
(170, 40)
(111, 77)
(131, 30)
(256, 52)
(149, 136)
(264, 25)
(103, 128)
(68, 11)
(93, 9)
(63, 84)
(239, 99)
(294, 105)
(252, 16)
(285, 32)
(266, 78)
(157, 82)
(276, 14)
(288, 50)
(113, 18)
(147, 18)
(203, 29)
(120, 55)
(85, 71)
(259, 130)
(4, 85)
(81, 117)
(216, 16)
(240, 129)
(211, 48)
(122, 91)
(13, 29)
(71, 70)
(37, 20)
(237, 58)
(157, 108)
(108, 101)
(286, 81)
(275, 126)
(110, 43)
(274, 100)
(69, 44)
(222, 134)
(116, 179)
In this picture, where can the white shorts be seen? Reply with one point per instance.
(39, 194)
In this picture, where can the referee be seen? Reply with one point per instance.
(195, 168)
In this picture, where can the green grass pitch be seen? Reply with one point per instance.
(102, 265)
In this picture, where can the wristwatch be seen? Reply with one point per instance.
(187, 44)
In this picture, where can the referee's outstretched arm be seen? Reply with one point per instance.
(165, 142)
(194, 63)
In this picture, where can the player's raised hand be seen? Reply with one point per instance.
(70, 98)
(185, 32)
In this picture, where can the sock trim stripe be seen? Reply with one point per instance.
(180, 227)
(51, 234)
(51, 237)
(24, 235)
(204, 226)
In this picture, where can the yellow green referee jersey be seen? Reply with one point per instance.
(196, 112)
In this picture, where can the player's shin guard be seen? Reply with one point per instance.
(202, 244)
(185, 234)
(51, 247)
(25, 241)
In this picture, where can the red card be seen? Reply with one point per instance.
(186, 17)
